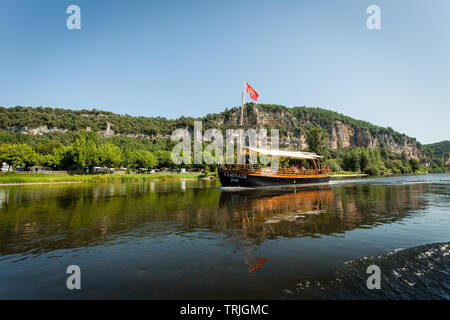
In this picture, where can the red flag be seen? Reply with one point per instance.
(253, 94)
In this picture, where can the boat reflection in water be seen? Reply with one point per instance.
(276, 206)
(316, 211)
(312, 212)
(260, 211)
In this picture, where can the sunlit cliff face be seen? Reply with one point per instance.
(339, 132)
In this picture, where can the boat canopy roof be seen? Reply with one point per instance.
(285, 154)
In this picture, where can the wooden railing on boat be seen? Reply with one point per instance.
(263, 170)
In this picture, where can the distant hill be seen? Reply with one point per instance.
(292, 123)
(439, 149)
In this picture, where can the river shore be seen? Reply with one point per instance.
(11, 179)
(8, 179)
(349, 175)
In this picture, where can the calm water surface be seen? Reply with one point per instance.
(190, 239)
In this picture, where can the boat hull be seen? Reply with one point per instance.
(246, 180)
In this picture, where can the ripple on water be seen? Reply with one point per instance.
(421, 272)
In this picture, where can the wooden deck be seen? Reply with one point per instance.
(280, 171)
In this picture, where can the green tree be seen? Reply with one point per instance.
(415, 165)
(143, 159)
(46, 147)
(18, 155)
(333, 165)
(397, 166)
(84, 151)
(316, 139)
(351, 161)
(364, 158)
(60, 157)
(164, 159)
(109, 155)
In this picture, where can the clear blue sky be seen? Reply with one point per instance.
(171, 58)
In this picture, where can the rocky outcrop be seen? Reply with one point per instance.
(446, 159)
(108, 133)
(346, 136)
(341, 135)
(35, 130)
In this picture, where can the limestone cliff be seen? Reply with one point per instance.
(341, 135)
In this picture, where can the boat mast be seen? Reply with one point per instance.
(241, 123)
(242, 108)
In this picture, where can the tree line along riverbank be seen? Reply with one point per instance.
(88, 149)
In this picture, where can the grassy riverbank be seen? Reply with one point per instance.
(9, 178)
(345, 173)
(27, 178)
(348, 175)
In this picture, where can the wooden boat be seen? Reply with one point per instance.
(251, 176)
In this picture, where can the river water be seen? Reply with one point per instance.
(193, 240)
